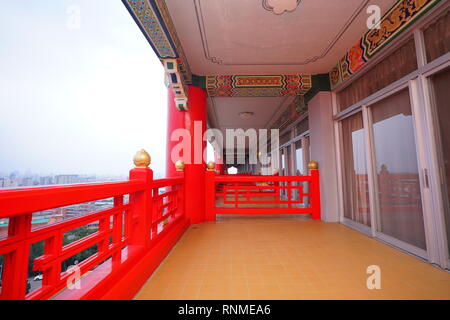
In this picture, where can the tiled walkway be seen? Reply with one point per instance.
(288, 258)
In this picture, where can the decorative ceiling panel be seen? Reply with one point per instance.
(258, 85)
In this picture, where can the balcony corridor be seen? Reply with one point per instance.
(242, 257)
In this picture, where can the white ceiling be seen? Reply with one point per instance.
(223, 113)
(226, 111)
(241, 37)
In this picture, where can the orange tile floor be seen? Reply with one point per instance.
(242, 257)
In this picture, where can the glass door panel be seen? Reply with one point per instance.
(440, 84)
(354, 165)
(299, 170)
(307, 145)
(283, 170)
(398, 185)
(289, 161)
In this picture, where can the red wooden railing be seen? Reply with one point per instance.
(232, 194)
(131, 240)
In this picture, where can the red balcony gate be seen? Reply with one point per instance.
(248, 195)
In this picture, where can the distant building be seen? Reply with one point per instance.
(45, 181)
(8, 183)
(27, 182)
(67, 179)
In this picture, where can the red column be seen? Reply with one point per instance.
(210, 196)
(195, 122)
(175, 120)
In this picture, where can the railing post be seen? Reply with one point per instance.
(210, 192)
(277, 184)
(179, 167)
(141, 202)
(117, 235)
(314, 189)
(15, 266)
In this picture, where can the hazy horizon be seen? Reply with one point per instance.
(78, 100)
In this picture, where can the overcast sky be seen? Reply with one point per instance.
(77, 100)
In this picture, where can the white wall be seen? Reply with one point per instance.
(323, 151)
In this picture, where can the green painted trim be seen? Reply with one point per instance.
(199, 81)
(321, 82)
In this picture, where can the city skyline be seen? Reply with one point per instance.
(16, 179)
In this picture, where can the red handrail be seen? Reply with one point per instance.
(17, 201)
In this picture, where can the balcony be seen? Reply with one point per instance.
(292, 258)
(267, 243)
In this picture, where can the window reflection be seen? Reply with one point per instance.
(299, 158)
(356, 190)
(399, 198)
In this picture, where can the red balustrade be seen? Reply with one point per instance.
(131, 240)
(238, 194)
(127, 241)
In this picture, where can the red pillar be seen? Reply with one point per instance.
(195, 122)
(210, 196)
(175, 120)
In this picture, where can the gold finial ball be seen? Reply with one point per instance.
(142, 159)
(211, 166)
(179, 165)
(313, 165)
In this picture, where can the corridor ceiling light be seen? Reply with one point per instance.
(246, 114)
(280, 6)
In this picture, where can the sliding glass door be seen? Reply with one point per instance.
(441, 104)
(393, 139)
(355, 176)
(398, 190)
